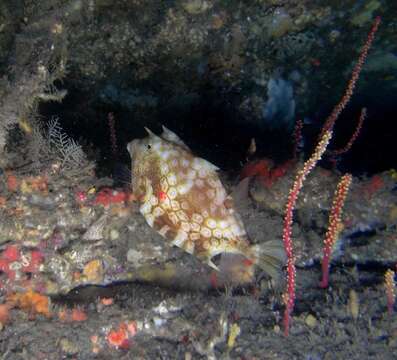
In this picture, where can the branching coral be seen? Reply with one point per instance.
(325, 136)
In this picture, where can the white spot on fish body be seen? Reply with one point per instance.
(182, 215)
(203, 173)
(197, 218)
(223, 224)
(185, 226)
(174, 219)
(175, 205)
(213, 183)
(158, 211)
(213, 208)
(166, 203)
(172, 193)
(195, 236)
(164, 184)
(145, 208)
(217, 233)
(205, 232)
(185, 188)
(227, 234)
(197, 163)
(220, 196)
(206, 245)
(174, 163)
(164, 169)
(195, 226)
(165, 154)
(157, 147)
(154, 201)
(185, 205)
(191, 174)
(211, 223)
(171, 179)
(199, 183)
(211, 193)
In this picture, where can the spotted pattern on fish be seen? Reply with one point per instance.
(183, 199)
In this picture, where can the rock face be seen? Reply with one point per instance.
(148, 60)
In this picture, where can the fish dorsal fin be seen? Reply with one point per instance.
(168, 135)
(200, 163)
(150, 132)
(211, 166)
(152, 135)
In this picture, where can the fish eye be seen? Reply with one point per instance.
(149, 146)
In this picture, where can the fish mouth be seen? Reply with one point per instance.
(132, 147)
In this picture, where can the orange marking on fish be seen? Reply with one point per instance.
(162, 196)
(248, 262)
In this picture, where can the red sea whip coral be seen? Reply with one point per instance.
(334, 225)
(113, 137)
(325, 136)
(354, 136)
(289, 295)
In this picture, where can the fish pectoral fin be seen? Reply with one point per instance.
(148, 190)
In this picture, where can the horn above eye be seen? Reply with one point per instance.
(150, 132)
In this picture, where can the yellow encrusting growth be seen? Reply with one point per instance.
(390, 289)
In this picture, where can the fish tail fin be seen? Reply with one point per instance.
(270, 257)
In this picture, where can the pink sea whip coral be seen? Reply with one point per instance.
(325, 136)
(334, 225)
(289, 295)
(354, 136)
